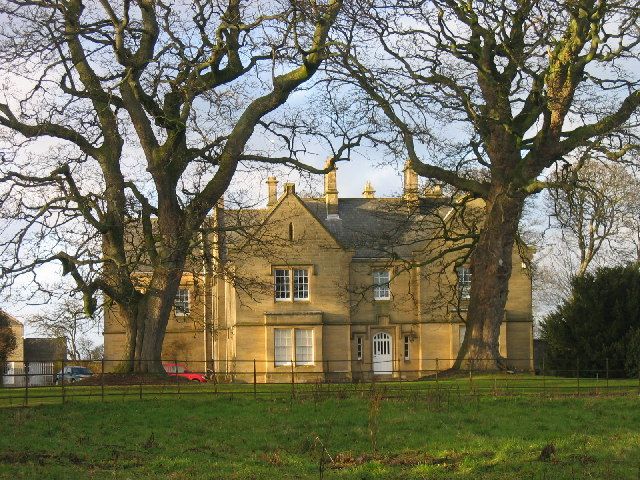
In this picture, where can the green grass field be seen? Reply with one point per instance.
(356, 436)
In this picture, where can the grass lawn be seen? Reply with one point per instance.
(237, 437)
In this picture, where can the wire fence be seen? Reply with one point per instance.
(64, 381)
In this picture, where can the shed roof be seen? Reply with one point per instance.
(45, 349)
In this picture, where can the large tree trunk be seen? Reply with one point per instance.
(146, 321)
(147, 315)
(491, 269)
(158, 306)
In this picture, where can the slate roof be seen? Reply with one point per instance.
(45, 349)
(380, 227)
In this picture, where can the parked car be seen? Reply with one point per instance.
(178, 370)
(71, 374)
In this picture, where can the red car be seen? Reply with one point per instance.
(177, 370)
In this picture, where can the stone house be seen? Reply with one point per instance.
(337, 289)
(18, 330)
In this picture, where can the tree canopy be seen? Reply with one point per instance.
(599, 323)
(123, 117)
(486, 97)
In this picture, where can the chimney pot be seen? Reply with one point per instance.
(368, 191)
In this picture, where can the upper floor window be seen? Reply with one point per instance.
(381, 289)
(464, 282)
(285, 278)
(181, 303)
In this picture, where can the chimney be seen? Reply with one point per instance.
(272, 183)
(331, 192)
(410, 184)
(368, 191)
(289, 188)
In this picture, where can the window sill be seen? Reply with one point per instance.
(296, 365)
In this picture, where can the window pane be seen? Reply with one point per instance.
(407, 346)
(464, 282)
(304, 347)
(359, 348)
(283, 346)
(181, 302)
(300, 284)
(381, 289)
(282, 284)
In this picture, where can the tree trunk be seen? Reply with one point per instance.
(146, 320)
(491, 269)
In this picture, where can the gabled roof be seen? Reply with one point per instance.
(258, 218)
(371, 227)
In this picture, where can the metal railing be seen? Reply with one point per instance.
(22, 384)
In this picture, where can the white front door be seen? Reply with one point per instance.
(382, 359)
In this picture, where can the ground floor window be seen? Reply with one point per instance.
(304, 346)
(407, 347)
(359, 348)
(290, 341)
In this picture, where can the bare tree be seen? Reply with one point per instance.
(144, 111)
(66, 319)
(593, 212)
(485, 96)
(593, 209)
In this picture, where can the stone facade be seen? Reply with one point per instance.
(336, 318)
(18, 330)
